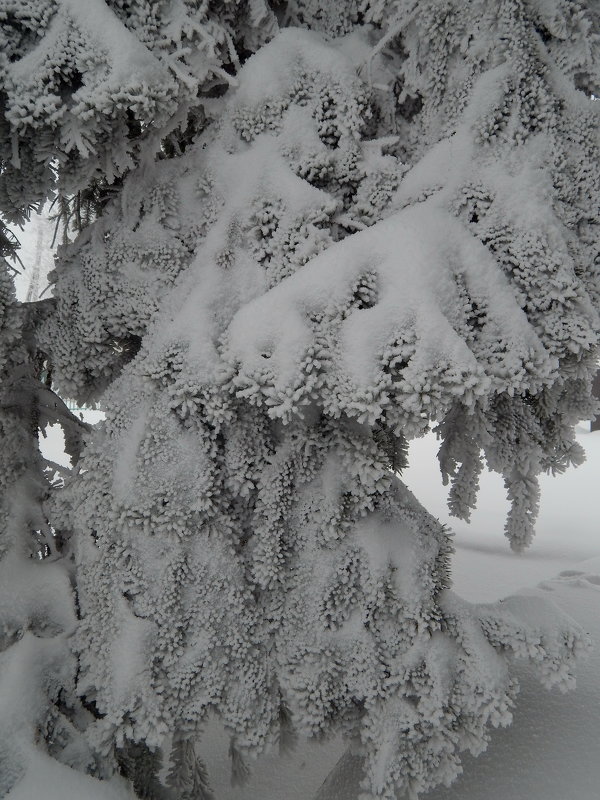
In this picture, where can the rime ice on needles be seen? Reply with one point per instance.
(86, 83)
(274, 313)
(38, 708)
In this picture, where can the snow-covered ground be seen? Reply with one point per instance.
(552, 750)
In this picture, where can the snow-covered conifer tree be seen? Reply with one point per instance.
(82, 85)
(38, 705)
(383, 219)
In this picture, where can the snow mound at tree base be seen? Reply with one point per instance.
(48, 779)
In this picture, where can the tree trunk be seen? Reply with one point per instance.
(595, 424)
(343, 782)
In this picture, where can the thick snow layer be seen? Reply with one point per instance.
(552, 750)
(404, 251)
(46, 779)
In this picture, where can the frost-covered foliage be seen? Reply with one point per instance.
(187, 776)
(85, 83)
(371, 238)
(37, 670)
(518, 147)
(484, 100)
